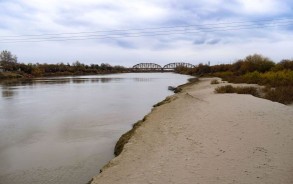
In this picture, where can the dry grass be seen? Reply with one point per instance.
(215, 81)
(282, 94)
(239, 90)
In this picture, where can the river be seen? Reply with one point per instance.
(64, 129)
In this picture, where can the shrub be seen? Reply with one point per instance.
(239, 90)
(256, 62)
(279, 78)
(285, 64)
(247, 90)
(185, 70)
(274, 79)
(223, 74)
(225, 89)
(252, 78)
(215, 81)
(202, 69)
(2, 76)
(283, 94)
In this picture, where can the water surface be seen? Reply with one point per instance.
(64, 129)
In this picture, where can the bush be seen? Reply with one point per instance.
(215, 81)
(202, 69)
(256, 69)
(225, 89)
(282, 94)
(285, 64)
(279, 78)
(185, 70)
(274, 79)
(256, 62)
(239, 90)
(2, 76)
(247, 90)
(252, 77)
(223, 74)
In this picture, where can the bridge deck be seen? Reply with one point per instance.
(156, 67)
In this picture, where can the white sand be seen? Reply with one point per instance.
(203, 137)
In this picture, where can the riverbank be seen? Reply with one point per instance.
(21, 76)
(203, 137)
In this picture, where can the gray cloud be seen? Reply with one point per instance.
(213, 41)
(202, 41)
(199, 41)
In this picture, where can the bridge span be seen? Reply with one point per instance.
(157, 67)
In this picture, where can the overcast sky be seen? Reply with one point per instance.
(195, 31)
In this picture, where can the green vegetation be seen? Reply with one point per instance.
(254, 69)
(13, 69)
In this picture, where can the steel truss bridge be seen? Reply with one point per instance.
(156, 67)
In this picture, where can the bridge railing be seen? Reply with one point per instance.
(175, 65)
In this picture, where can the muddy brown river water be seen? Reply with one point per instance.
(64, 129)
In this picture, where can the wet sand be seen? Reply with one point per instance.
(203, 137)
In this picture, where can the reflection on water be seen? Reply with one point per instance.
(63, 129)
(143, 79)
(64, 81)
(7, 93)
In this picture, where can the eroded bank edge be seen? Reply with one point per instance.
(124, 139)
(127, 136)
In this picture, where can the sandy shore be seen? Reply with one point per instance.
(203, 137)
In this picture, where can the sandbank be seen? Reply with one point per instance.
(207, 138)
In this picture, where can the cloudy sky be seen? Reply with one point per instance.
(126, 32)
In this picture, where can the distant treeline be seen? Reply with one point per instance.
(254, 69)
(13, 69)
(252, 63)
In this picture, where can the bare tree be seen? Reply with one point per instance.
(8, 61)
